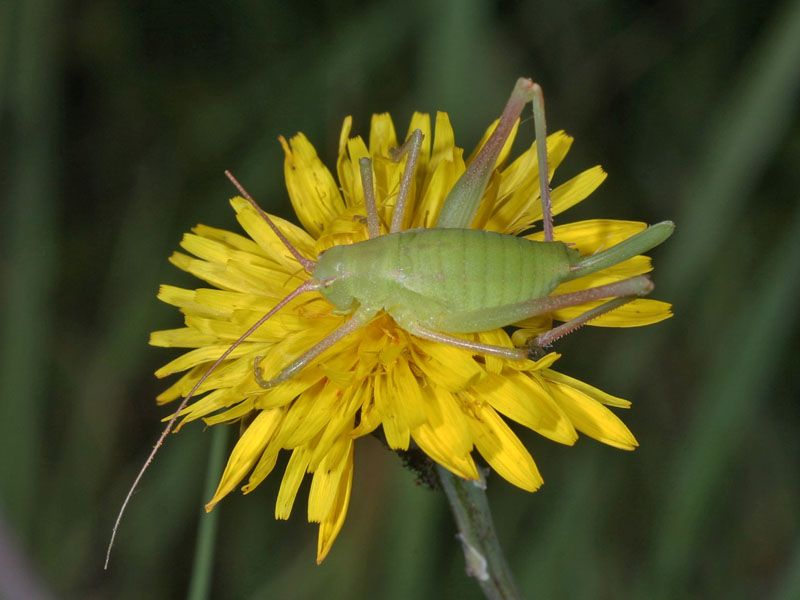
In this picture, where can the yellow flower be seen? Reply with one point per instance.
(444, 400)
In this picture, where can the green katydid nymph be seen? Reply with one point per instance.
(450, 279)
(439, 282)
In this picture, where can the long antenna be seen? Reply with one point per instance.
(307, 286)
(308, 264)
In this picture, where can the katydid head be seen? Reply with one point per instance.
(331, 273)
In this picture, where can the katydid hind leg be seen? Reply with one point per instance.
(540, 128)
(502, 315)
(462, 202)
(636, 244)
(556, 333)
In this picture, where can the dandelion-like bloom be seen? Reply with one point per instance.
(446, 401)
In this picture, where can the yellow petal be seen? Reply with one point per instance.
(283, 394)
(447, 420)
(436, 448)
(292, 477)
(382, 136)
(518, 198)
(436, 188)
(523, 172)
(264, 466)
(210, 403)
(199, 356)
(641, 311)
(326, 479)
(181, 338)
(330, 528)
(421, 121)
(312, 189)
(452, 368)
(213, 273)
(187, 301)
(593, 235)
(576, 189)
(258, 229)
(446, 436)
(587, 389)
(232, 415)
(216, 251)
(180, 387)
(393, 418)
(592, 418)
(494, 337)
(370, 415)
(520, 397)
(309, 414)
(350, 173)
(341, 422)
(444, 146)
(246, 452)
(407, 393)
(503, 450)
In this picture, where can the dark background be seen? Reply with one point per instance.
(117, 121)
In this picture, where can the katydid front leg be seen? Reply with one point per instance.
(361, 317)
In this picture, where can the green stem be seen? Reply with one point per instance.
(482, 551)
(203, 564)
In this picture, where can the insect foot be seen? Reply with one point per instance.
(257, 373)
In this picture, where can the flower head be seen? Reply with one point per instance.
(446, 401)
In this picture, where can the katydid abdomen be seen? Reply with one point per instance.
(450, 280)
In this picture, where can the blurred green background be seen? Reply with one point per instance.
(117, 121)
